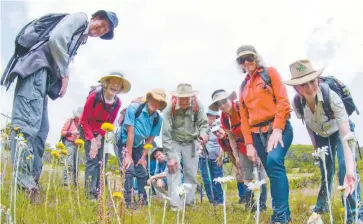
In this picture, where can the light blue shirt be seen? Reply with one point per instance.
(212, 147)
(143, 124)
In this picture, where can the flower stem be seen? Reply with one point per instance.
(327, 192)
(104, 180)
(48, 187)
(164, 211)
(77, 183)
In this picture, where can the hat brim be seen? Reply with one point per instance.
(209, 114)
(214, 106)
(158, 98)
(159, 149)
(245, 53)
(304, 79)
(176, 94)
(125, 83)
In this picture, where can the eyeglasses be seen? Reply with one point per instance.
(249, 58)
(221, 102)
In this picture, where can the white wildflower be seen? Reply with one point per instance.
(256, 185)
(223, 180)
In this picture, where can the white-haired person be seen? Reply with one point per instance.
(69, 135)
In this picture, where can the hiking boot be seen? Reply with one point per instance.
(315, 218)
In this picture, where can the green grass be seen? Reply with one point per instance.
(302, 198)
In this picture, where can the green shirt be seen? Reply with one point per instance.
(181, 127)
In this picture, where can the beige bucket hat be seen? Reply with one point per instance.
(184, 90)
(221, 94)
(159, 95)
(78, 111)
(126, 85)
(302, 72)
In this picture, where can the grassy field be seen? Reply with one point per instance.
(61, 206)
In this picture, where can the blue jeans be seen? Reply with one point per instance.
(215, 196)
(136, 171)
(336, 147)
(276, 171)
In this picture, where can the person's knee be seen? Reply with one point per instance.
(273, 161)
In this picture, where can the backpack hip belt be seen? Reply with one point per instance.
(261, 134)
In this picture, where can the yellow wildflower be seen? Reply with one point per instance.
(79, 142)
(148, 146)
(29, 157)
(118, 194)
(64, 152)
(20, 134)
(60, 146)
(107, 127)
(17, 128)
(55, 153)
(342, 210)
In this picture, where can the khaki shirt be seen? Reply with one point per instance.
(181, 128)
(318, 121)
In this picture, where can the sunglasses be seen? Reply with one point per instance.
(221, 102)
(242, 60)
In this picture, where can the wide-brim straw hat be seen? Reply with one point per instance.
(184, 90)
(159, 95)
(302, 72)
(221, 95)
(126, 85)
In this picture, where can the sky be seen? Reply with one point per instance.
(159, 44)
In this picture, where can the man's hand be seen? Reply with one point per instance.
(142, 162)
(203, 139)
(128, 161)
(219, 160)
(251, 153)
(160, 183)
(172, 165)
(63, 89)
(99, 141)
(349, 182)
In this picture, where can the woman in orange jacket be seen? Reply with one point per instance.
(265, 112)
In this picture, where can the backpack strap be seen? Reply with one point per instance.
(156, 120)
(98, 96)
(264, 76)
(325, 90)
(139, 110)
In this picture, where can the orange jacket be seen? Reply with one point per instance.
(257, 103)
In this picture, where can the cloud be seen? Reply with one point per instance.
(163, 43)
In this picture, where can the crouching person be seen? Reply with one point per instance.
(327, 122)
(69, 135)
(141, 125)
(185, 126)
(158, 180)
(102, 106)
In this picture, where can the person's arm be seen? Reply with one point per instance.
(59, 39)
(166, 132)
(245, 126)
(65, 132)
(342, 120)
(234, 145)
(282, 99)
(202, 122)
(130, 127)
(86, 116)
(158, 176)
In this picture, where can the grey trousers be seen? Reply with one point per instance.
(93, 169)
(30, 113)
(187, 152)
(72, 165)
